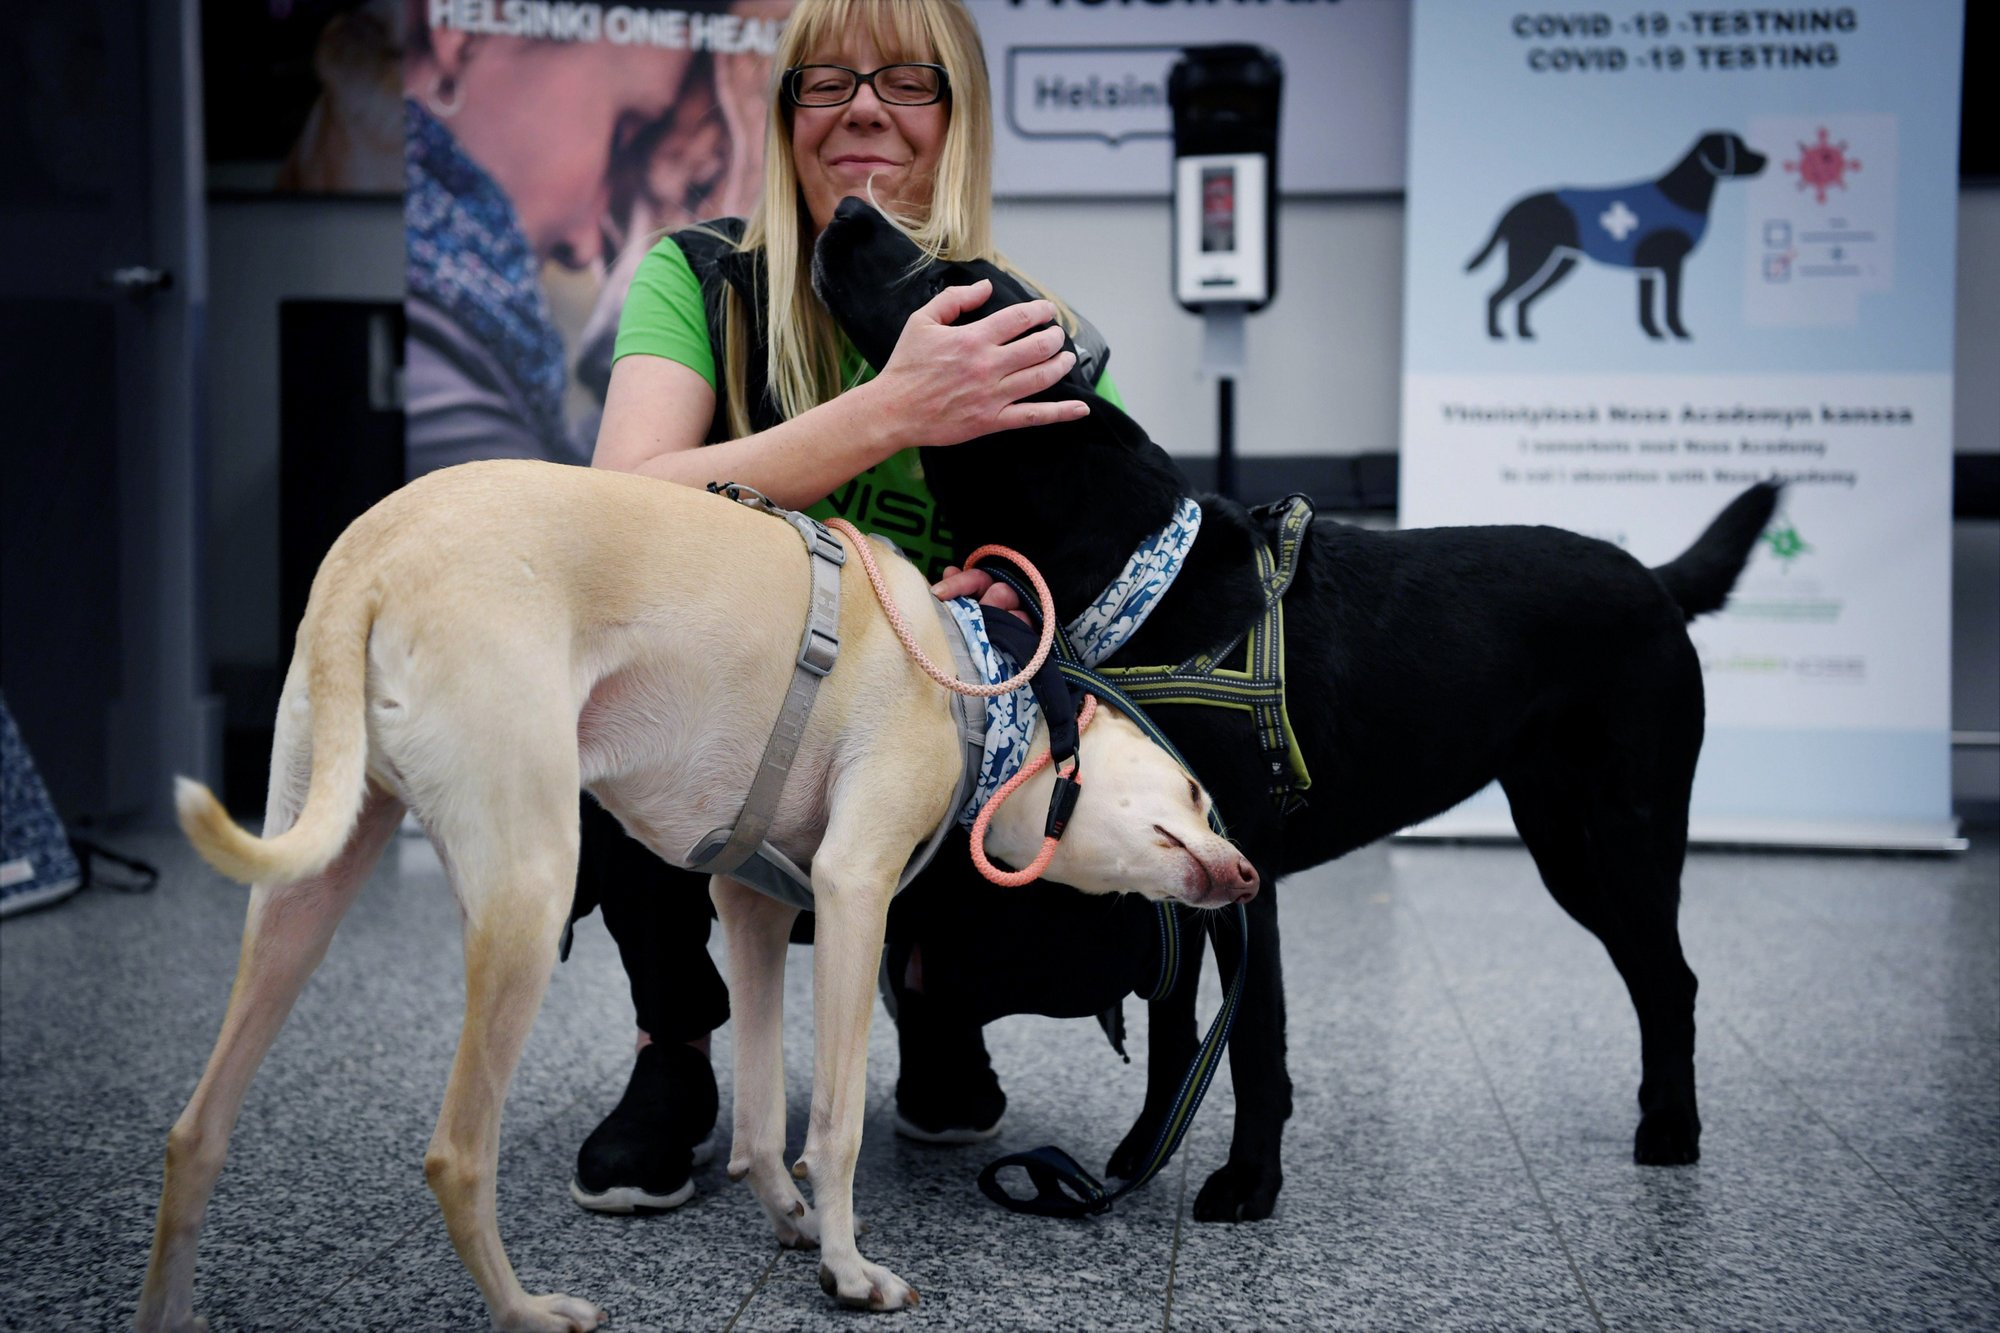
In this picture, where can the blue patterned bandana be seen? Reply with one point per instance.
(1101, 630)
(1109, 622)
(467, 255)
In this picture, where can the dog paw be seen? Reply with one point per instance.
(798, 1229)
(1666, 1139)
(1239, 1192)
(551, 1313)
(193, 1323)
(792, 1218)
(1129, 1158)
(860, 1285)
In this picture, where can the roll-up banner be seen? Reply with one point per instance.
(1657, 253)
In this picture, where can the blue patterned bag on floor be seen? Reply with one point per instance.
(37, 866)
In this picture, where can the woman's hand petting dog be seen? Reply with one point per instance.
(949, 382)
(980, 586)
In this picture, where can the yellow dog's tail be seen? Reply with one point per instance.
(333, 646)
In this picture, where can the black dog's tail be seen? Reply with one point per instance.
(1480, 258)
(1701, 576)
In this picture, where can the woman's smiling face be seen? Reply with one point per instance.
(838, 150)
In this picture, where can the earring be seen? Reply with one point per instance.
(445, 97)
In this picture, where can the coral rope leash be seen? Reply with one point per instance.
(1068, 783)
(931, 669)
(1028, 874)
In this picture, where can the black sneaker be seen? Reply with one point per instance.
(946, 1091)
(640, 1158)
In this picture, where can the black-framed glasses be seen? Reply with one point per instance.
(836, 85)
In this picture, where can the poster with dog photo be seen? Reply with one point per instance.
(1656, 255)
(301, 96)
(545, 149)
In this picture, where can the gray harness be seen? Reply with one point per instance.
(740, 851)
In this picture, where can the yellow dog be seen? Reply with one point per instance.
(494, 636)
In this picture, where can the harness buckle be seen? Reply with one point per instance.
(827, 547)
(818, 651)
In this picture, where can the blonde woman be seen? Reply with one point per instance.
(728, 368)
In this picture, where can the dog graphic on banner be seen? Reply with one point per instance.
(1650, 226)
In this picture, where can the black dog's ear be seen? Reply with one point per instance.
(1718, 153)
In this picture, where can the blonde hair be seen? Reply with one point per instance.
(804, 342)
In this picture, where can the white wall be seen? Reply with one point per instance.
(1325, 358)
(1325, 362)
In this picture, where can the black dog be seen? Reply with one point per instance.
(1422, 665)
(1651, 226)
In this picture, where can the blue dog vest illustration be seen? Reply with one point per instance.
(1610, 223)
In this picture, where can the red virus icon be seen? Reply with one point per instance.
(1823, 164)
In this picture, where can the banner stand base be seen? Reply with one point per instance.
(1720, 831)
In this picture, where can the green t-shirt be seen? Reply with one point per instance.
(664, 316)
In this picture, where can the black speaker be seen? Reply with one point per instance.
(340, 410)
(340, 449)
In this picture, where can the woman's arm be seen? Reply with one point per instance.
(657, 413)
(943, 385)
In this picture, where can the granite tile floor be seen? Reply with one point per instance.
(1465, 1062)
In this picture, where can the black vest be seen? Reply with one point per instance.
(716, 262)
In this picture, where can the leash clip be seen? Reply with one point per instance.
(743, 495)
(1062, 803)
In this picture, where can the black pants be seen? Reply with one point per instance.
(659, 917)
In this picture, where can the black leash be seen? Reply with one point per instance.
(1063, 1188)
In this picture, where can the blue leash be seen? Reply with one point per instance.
(1063, 1188)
